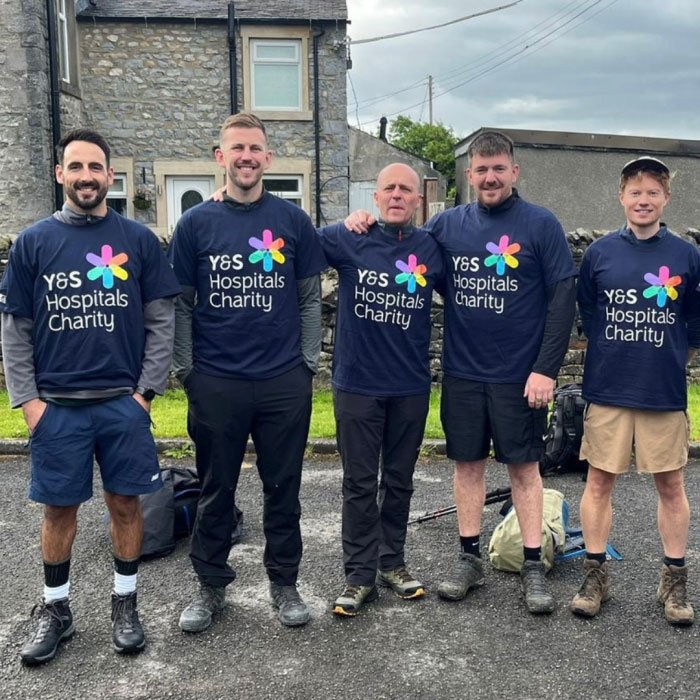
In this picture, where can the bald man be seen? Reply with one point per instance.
(381, 382)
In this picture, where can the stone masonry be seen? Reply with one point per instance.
(26, 193)
(161, 91)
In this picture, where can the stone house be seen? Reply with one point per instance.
(576, 175)
(157, 78)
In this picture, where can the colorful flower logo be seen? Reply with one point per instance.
(107, 267)
(267, 250)
(502, 254)
(411, 273)
(662, 286)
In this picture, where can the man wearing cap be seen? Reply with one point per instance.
(640, 308)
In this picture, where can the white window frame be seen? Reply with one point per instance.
(251, 33)
(124, 170)
(63, 45)
(256, 61)
(297, 195)
(288, 168)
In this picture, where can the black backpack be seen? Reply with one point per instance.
(562, 442)
(169, 513)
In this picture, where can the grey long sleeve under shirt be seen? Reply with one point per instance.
(18, 357)
(18, 346)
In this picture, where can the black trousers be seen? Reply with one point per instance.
(374, 529)
(222, 414)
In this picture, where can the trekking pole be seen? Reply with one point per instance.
(491, 497)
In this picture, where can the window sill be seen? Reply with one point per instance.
(70, 89)
(275, 115)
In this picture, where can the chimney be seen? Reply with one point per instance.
(382, 129)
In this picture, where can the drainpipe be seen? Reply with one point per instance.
(233, 80)
(317, 126)
(55, 108)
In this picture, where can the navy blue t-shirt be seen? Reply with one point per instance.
(85, 287)
(499, 263)
(244, 264)
(382, 333)
(637, 299)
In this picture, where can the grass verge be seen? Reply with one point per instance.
(170, 416)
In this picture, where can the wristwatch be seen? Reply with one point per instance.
(148, 394)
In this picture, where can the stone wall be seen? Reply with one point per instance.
(161, 91)
(26, 193)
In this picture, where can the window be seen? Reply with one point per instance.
(63, 51)
(276, 71)
(286, 186)
(67, 39)
(117, 195)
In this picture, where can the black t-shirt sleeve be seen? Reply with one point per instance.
(561, 305)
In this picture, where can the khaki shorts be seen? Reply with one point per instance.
(660, 439)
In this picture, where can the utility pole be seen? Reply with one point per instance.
(430, 99)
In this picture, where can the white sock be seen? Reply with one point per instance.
(123, 585)
(56, 593)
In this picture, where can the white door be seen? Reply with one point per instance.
(183, 192)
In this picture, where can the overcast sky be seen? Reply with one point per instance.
(620, 67)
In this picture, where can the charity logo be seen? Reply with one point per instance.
(267, 250)
(411, 273)
(107, 266)
(502, 254)
(662, 286)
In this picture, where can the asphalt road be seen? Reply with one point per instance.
(486, 646)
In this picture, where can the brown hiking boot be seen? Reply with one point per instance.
(672, 594)
(594, 590)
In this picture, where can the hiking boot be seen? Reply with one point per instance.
(208, 601)
(469, 573)
(538, 599)
(127, 632)
(353, 598)
(594, 590)
(291, 609)
(672, 594)
(401, 582)
(54, 624)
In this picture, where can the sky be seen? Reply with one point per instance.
(598, 66)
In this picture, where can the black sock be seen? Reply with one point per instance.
(600, 558)
(126, 567)
(56, 574)
(670, 561)
(470, 545)
(532, 553)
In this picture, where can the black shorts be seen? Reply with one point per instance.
(475, 413)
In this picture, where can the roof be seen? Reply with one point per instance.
(218, 9)
(593, 142)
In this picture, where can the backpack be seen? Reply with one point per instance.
(506, 544)
(559, 541)
(170, 512)
(562, 443)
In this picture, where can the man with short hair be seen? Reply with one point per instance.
(247, 344)
(381, 382)
(509, 306)
(87, 329)
(640, 308)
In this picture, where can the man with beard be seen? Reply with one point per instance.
(247, 345)
(87, 330)
(509, 306)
